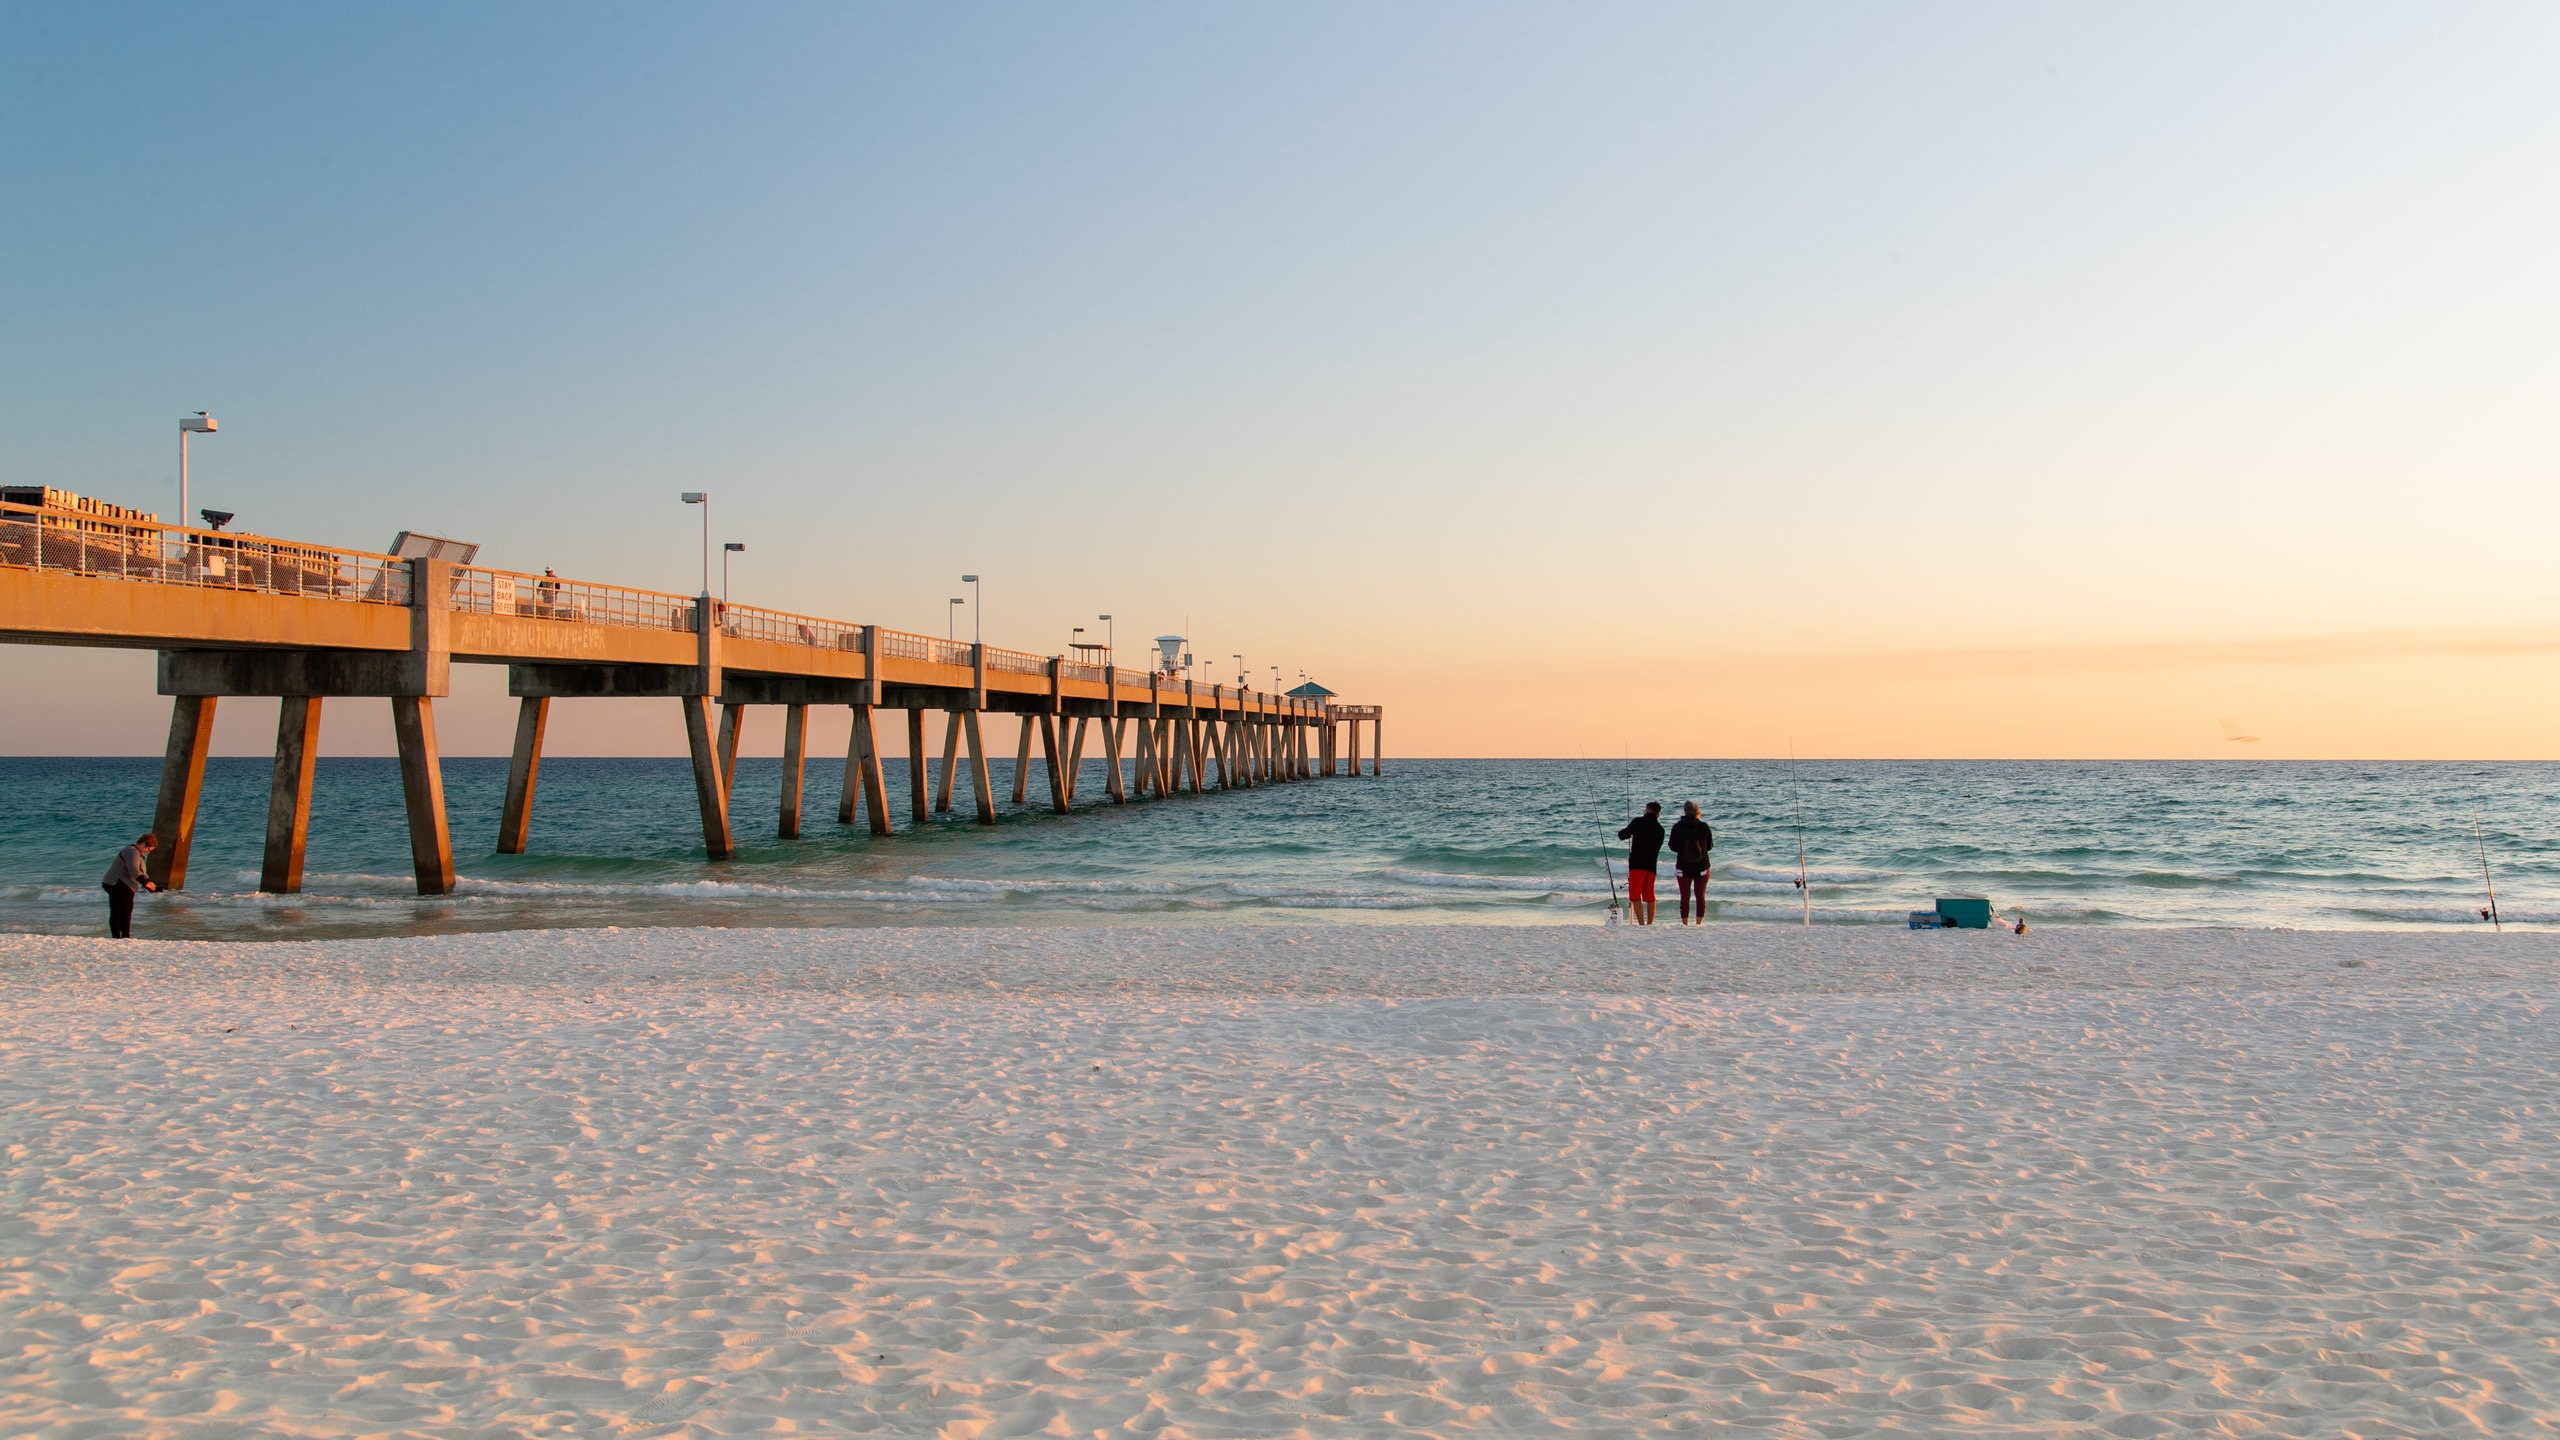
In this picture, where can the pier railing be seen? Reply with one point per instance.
(750, 622)
(74, 543)
(481, 591)
(907, 645)
(1017, 662)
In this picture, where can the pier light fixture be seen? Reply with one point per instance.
(977, 610)
(199, 423)
(1110, 637)
(703, 499)
(951, 619)
(727, 549)
(1239, 671)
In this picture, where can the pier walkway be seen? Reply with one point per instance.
(246, 615)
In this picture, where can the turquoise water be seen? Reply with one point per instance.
(616, 842)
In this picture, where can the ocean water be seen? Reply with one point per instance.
(616, 842)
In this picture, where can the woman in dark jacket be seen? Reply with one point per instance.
(1691, 839)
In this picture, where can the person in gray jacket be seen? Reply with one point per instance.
(130, 872)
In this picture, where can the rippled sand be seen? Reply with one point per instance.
(1271, 1181)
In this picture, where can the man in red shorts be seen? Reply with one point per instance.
(1644, 854)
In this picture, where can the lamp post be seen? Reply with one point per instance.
(1110, 637)
(1239, 671)
(951, 619)
(727, 549)
(1072, 642)
(703, 499)
(199, 423)
(977, 610)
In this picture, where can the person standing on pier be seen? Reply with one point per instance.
(1691, 839)
(130, 872)
(1644, 855)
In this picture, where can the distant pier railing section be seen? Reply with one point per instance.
(248, 615)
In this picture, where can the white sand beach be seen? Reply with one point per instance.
(1266, 1181)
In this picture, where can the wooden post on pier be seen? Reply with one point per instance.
(978, 771)
(795, 766)
(413, 722)
(1146, 757)
(849, 791)
(515, 820)
(864, 777)
(1218, 738)
(1075, 757)
(181, 788)
(950, 764)
(919, 790)
(1378, 744)
(710, 792)
(732, 720)
(1022, 760)
(289, 794)
(1057, 773)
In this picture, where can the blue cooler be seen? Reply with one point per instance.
(1966, 912)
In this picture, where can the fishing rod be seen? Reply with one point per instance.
(1626, 777)
(2490, 914)
(1612, 872)
(1803, 876)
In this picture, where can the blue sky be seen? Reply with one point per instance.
(1393, 343)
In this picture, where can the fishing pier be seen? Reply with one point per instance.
(234, 614)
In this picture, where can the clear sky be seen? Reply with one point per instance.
(2006, 380)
